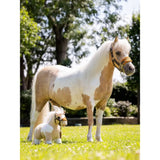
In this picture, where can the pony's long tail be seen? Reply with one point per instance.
(33, 114)
(43, 114)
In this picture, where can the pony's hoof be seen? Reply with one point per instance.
(58, 141)
(48, 142)
(36, 141)
(99, 139)
(89, 139)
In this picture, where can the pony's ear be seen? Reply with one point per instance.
(116, 39)
(55, 108)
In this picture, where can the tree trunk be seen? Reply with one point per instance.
(61, 48)
(23, 85)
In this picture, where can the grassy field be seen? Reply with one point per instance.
(120, 142)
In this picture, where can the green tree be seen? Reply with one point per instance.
(28, 39)
(65, 23)
(134, 36)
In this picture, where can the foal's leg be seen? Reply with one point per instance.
(48, 137)
(99, 116)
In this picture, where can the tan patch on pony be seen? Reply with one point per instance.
(105, 87)
(102, 104)
(48, 136)
(80, 107)
(87, 102)
(37, 133)
(46, 76)
(62, 96)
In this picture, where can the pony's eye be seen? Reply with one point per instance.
(118, 53)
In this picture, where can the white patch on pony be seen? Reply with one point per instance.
(89, 135)
(62, 116)
(46, 128)
(124, 45)
(48, 142)
(99, 116)
(49, 117)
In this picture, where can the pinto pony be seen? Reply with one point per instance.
(50, 130)
(87, 86)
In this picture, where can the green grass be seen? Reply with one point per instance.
(120, 142)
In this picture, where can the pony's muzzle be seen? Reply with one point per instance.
(63, 123)
(129, 69)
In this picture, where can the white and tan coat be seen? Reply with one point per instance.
(50, 129)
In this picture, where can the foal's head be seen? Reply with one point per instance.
(120, 56)
(60, 117)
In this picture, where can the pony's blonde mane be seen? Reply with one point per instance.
(95, 62)
(92, 59)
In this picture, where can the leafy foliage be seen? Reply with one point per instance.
(107, 112)
(134, 35)
(121, 92)
(65, 25)
(122, 107)
(25, 101)
(28, 41)
(28, 33)
(133, 111)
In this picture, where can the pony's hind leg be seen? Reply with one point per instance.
(35, 111)
(33, 119)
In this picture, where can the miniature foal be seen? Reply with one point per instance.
(51, 129)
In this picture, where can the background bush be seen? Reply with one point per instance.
(133, 111)
(74, 114)
(25, 101)
(121, 92)
(107, 112)
(123, 107)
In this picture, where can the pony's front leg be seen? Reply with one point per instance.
(99, 116)
(90, 123)
(87, 101)
(58, 140)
